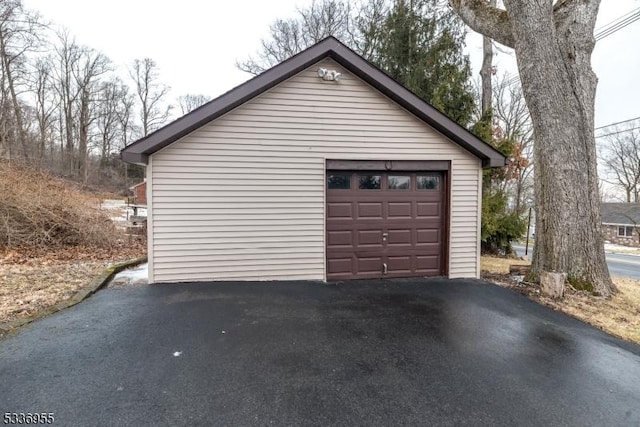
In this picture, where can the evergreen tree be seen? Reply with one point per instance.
(419, 43)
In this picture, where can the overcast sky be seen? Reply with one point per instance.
(196, 43)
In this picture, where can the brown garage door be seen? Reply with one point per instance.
(384, 224)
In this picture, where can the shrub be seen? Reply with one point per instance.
(499, 226)
(39, 210)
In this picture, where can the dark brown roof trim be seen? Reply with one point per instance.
(139, 151)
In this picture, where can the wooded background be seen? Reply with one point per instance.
(67, 108)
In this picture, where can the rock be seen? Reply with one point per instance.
(552, 284)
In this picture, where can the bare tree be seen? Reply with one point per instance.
(322, 18)
(621, 159)
(67, 54)
(107, 120)
(19, 34)
(124, 112)
(364, 33)
(45, 105)
(553, 42)
(512, 117)
(87, 71)
(190, 102)
(7, 122)
(151, 95)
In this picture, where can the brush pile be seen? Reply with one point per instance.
(38, 210)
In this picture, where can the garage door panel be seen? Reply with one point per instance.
(370, 210)
(400, 237)
(340, 210)
(410, 219)
(400, 210)
(340, 238)
(369, 237)
(371, 265)
(427, 262)
(359, 225)
(426, 236)
(340, 266)
(399, 264)
(428, 209)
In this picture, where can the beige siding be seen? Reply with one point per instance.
(243, 197)
(150, 228)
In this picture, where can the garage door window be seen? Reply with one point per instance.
(339, 181)
(399, 182)
(428, 182)
(369, 182)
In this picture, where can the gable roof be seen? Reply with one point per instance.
(621, 213)
(139, 151)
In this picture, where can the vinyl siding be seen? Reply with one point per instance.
(243, 197)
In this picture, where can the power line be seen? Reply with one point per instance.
(617, 19)
(618, 26)
(617, 123)
(605, 31)
(618, 132)
(513, 80)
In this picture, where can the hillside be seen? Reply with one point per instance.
(54, 240)
(38, 210)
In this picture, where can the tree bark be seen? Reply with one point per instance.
(553, 45)
(83, 135)
(486, 71)
(6, 64)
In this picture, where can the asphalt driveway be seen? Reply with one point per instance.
(405, 352)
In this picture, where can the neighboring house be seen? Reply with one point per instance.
(621, 223)
(139, 193)
(320, 168)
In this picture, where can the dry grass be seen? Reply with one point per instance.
(54, 240)
(26, 289)
(39, 210)
(628, 250)
(34, 280)
(618, 316)
(496, 265)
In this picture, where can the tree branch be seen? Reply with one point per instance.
(490, 21)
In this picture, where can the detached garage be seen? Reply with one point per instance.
(321, 168)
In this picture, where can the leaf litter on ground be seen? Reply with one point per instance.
(35, 279)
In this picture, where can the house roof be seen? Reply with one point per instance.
(139, 151)
(621, 213)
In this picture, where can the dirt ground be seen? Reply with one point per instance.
(619, 315)
(32, 280)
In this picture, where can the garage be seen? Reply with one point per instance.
(320, 168)
(385, 224)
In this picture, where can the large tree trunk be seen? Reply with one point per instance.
(486, 71)
(553, 45)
